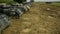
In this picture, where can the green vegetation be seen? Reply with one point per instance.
(21, 1)
(6, 1)
(56, 4)
(12, 1)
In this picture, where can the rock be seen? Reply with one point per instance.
(26, 30)
(4, 22)
(48, 9)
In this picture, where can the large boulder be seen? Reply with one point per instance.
(4, 22)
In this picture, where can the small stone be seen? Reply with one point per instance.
(26, 30)
(50, 16)
(48, 9)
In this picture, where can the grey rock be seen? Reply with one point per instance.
(4, 22)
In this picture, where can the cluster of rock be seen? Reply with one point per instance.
(12, 10)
